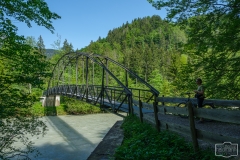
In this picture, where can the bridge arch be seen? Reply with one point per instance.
(102, 92)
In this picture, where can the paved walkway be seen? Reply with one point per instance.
(73, 137)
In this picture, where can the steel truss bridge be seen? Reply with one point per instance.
(98, 79)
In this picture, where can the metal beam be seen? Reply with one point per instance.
(87, 78)
(106, 72)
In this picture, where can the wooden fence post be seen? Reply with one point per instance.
(163, 101)
(156, 115)
(140, 111)
(163, 104)
(192, 127)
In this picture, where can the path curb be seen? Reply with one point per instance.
(106, 148)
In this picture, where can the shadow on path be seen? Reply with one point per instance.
(73, 137)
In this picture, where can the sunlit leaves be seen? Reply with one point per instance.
(213, 41)
(20, 65)
(28, 11)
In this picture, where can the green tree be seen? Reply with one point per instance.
(144, 45)
(213, 37)
(20, 64)
(41, 46)
(67, 47)
(57, 44)
(31, 41)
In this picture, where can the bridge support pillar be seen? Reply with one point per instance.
(50, 101)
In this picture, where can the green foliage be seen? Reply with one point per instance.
(19, 130)
(67, 47)
(142, 141)
(169, 56)
(40, 45)
(22, 67)
(213, 42)
(69, 106)
(73, 106)
(39, 110)
(157, 81)
(145, 45)
(31, 41)
(27, 11)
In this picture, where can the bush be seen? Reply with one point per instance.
(74, 106)
(142, 141)
(68, 106)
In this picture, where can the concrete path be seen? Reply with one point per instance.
(73, 137)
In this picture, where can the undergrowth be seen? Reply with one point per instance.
(143, 142)
(74, 106)
(69, 106)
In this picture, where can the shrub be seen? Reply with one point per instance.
(142, 141)
(74, 106)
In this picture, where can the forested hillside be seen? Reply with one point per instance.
(150, 46)
(155, 49)
(50, 52)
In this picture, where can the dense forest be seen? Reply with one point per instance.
(156, 50)
(148, 46)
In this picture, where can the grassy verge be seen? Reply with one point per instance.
(142, 141)
(69, 106)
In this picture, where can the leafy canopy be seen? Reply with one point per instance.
(211, 23)
(20, 65)
(27, 11)
(213, 43)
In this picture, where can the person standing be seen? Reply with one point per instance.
(199, 94)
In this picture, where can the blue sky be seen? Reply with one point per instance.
(86, 20)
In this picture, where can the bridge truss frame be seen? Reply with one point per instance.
(96, 93)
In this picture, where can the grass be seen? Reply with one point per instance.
(39, 110)
(142, 141)
(68, 107)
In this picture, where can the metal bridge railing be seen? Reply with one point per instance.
(109, 96)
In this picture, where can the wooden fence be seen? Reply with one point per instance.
(168, 105)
